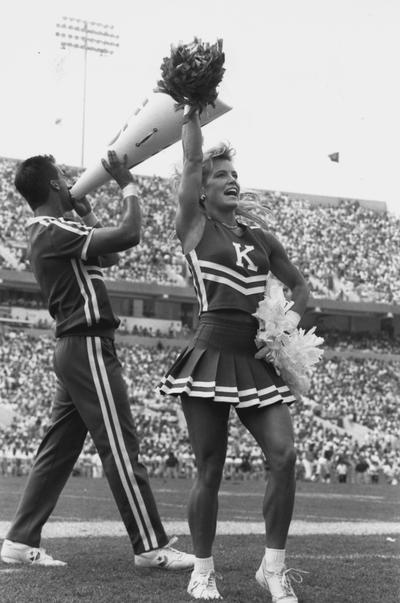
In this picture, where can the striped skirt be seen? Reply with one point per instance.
(219, 364)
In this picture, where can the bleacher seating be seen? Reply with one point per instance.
(346, 251)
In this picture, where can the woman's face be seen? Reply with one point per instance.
(222, 188)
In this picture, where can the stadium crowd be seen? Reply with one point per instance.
(346, 251)
(381, 343)
(364, 391)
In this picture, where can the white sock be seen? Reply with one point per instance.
(274, 558)
(203, 564)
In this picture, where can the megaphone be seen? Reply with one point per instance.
(155, 125)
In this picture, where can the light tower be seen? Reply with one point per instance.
(88, 36)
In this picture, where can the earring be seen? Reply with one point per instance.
(203, 197)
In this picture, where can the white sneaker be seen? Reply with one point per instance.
(203, 586)
(278, 583)
(166, 558)
(16, 552)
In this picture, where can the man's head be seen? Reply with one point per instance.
(38, 177)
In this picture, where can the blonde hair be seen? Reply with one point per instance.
(251, 206)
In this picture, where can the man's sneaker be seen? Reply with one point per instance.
(166, 558)
(16, 552)
(203, 586)
(278, 583)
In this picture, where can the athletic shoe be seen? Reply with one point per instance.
(203, 586)
(278, 583)
(166, 558)
(16, 552)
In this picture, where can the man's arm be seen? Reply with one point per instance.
(84, 210)
(110, 240)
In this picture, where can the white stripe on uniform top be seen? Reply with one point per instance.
(121, 459)
(93, 268)
(226, 281)
(86, 308)
(93, 296)
(233, 273)
(73, 227)
(199, 280)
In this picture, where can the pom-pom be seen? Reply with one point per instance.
(271, 313)
(192, 73)
(294, 358)
(293, 353)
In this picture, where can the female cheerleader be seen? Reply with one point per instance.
(230, 262)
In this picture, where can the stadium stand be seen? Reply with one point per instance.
(346, 251)
(348, 427)
(365, 394)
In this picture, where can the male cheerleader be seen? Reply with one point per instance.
(67, 258)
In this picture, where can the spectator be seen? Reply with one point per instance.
(342, 470)
(361, 469)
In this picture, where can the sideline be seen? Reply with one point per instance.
(85, 529)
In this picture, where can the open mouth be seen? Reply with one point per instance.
(232, 191)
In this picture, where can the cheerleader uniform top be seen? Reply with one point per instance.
(229, 273)
(229, 270)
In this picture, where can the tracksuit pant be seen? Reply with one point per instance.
(91, 396)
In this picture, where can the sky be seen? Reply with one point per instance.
(305, 78)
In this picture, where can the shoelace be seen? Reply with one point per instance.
(38, 554)
(171, 548)
(292, 574)
(208, 579)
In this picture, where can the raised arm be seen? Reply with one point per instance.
(83, 208)
(109, 240)
(190, 218)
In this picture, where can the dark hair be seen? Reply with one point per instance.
(32, 179)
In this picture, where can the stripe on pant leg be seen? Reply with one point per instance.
(117, 453)
(125, 466)
(122, 459)
(127, 481)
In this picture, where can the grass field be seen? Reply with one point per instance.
(346, 536)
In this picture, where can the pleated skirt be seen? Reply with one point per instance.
(219, 365)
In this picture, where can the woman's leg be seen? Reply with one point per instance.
(207, 423)
(272, 427)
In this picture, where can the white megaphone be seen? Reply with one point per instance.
(154, 126)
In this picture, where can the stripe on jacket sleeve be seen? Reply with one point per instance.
(86, 245)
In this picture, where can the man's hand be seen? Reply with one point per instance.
(81, 206)
(118, 169)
